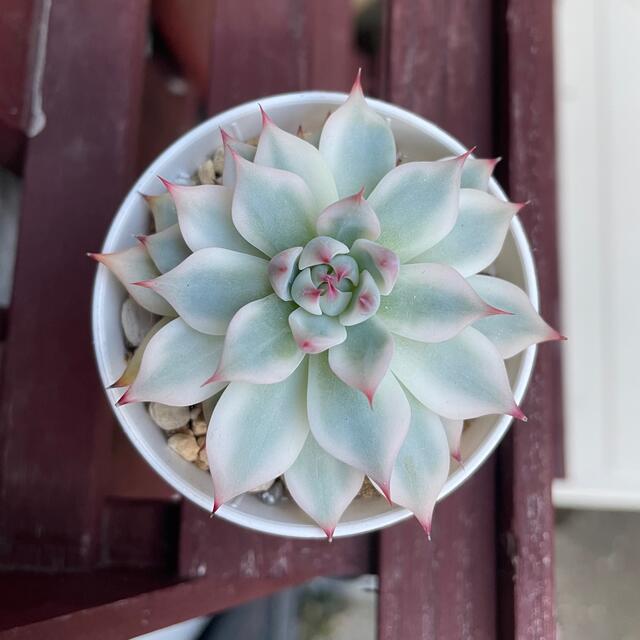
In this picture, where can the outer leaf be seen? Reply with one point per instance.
(477, 172)
(478, 236)
(272, 209)
(343, 423)
(453, 430)
(349, 219)
(204, 215)
(431, 303)
(358, 145)
(364, 303)
(163, 210)
(174, 364)
(256, 434)
(422, 466)
(363, 359)
(282, 150)
(380, 262)
(417, 205)
(511, 333)
(211, 285)
(166, 248)
(130, 266)
(231, 146)
(258, 346)
(282, 270)
(321, 485)
(314, 334)
(464, 377)
(133, 364)
(320, 250)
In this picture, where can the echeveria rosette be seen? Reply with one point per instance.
(334, 298)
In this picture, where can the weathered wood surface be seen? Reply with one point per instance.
(526, 459)
(55, 424)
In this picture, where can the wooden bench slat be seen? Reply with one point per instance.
(55, 424)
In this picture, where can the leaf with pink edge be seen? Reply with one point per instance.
(306, 293)
(174, 364)
(233, 146)
(314, 334)
(283, 268)
(258, 345)
(130, 266)
(477, 172)
(349, 219)
(422, 465)
(431, 303)
(211, 285)
(477, 238)
(322, 486)
(163, 210)
(511, 333)
(453, 431)
(417, 205)
(320, 250)
(204, 216)
(257, 432)
(460, 378)
(282, 150)
(380, 262)
(166, 248)
(357, 144)
(363, 359)
(364, 303)
(362, 436)
(272, 209)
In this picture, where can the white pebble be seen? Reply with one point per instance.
(207, 173)
(136, 321)
(199, 426)
(184, 445)
(168, 418)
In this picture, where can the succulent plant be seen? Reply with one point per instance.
(332, 298)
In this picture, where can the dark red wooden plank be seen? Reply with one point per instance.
(439, 66)
(527, 458)
(55, 424)
(297, 45)
(211, 546)
(443, 588)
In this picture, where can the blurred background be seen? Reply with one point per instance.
(596, 493)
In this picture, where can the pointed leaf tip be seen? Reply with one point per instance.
(167, 184)
(265, 116)
(125, 398)
(518, 414)
(357, 83)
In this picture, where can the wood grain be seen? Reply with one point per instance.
(55, 423)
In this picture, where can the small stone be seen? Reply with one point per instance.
(201, 440)
(184, 445)
(367, 490)
(207, 173)
(218, 162)
(273, 494)
(169, 418)
(199, 426)
(202, 461)
(136, 321)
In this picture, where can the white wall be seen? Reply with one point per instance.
(598, 116)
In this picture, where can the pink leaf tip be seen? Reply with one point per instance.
(494, 311)
(216, 377)
(357, 83)
(265, 117)
(426, 527)
(518, 414)
(167, 185)
(457, 456)
(226, 137)
(125, 398)
(95, 256)
(142, 239)
(147, 284)
(328, 531)
(216, 506)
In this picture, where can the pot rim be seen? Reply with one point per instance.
(171, 475)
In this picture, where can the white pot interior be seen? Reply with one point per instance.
(418, 140)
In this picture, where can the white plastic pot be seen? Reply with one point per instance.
(418, 139)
